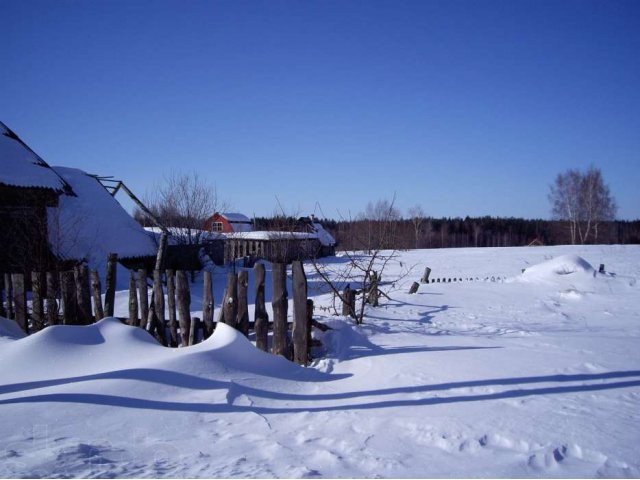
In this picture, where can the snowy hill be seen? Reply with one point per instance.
(534, 374)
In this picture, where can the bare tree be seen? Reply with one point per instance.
(417, 216)
(583, 200)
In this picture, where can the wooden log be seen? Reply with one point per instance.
(19, 297)
(171, 306)
(68, 296)
(96, 291)
(83, 294)
(110, 287)
(261, 317)
(207, 304)
(425, 275)
(9, 295)
(184, 306)
(280, 304)
(52, 303)
(300, 315)
(193, 330)
(158, 297)
(133, 300)
(414, 287)
(162, 248)
(37, 301)
(231, 302)
(242, 320)
(373, 293)
(143, 296)
(349, 302)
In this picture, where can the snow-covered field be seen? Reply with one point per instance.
(537, 375)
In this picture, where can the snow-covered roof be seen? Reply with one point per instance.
(94, 224)
(22, 167)
(235, 217)
(268, 235)
(326, 239)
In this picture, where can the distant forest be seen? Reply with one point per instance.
(457, 232)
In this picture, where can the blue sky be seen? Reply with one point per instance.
(466, 108)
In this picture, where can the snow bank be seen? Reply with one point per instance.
(9, 330)
(550, 270)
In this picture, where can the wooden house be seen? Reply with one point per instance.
(228, 223)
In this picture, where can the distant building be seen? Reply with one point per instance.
(228, 223)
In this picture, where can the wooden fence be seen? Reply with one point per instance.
(75, 298)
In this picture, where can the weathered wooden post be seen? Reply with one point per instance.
(20, 300)
(3, 312)
(279, 303)
(309, 324)
(374, 292)
(300, 315)
(261, 317)
(52, 304)
(193, 330)
(184, 306)
(171, 305)
(158, 302)
(414, 287)
(230, 306)
(143, 297)
(207, 305)
(425, 275)
(349, 302)
(83, 294)
(96, 290)
(601, 269)
(110, 288)
(242, 320)
(9, 295)
(133, 300)
(68, 294)
(37, 301)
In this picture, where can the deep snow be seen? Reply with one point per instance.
(534, 374)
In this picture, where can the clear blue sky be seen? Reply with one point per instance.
(464, 107)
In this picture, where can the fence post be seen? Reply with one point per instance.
(110, 288)
(133, 300)
(242, 322)
(83, 294)
(261, 317)
(96, 289)
(207, 305)
(425, 275)
(184, 304)
(20, 300)
(52, 304)
(414, 287)
(300, 315)
(171, 305)
(230, 307)
(68, 298)
(37, 303)
(143, 297)
(349, 302)
(9, 295)
(158, 298)
(373, 294)
(3, 312)
(279, 303)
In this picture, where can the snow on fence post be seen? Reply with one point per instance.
(171, 305)
(207, 305)
(242, 319)
(110, 287)
(37, 301)
(184, 306)
(68, 294)
(20, 300)
(279, 303)
(9, 295)
(300, 315)
(133, 300)
(52, 304)
(83, 294)
(96, 289)
(261, 317)
(230, 306)
(143, 297)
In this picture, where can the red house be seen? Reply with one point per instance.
(228, 223)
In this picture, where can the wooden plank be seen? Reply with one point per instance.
(171, 306)
(68, 297)
(261, 317)
(19, 297)
(143, 297)
(242, 322)
(230, 306)
(280, 304)
(83, 294)
(207, 304)
(110, 287)
(96, 292)
(184, 306)
(133, 300)
(300, 315)
(52, 303)
(37, 300)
